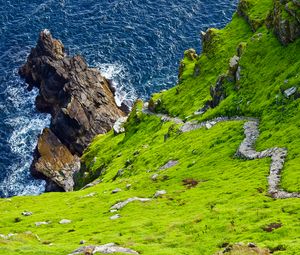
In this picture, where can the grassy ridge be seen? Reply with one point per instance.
(229, 204)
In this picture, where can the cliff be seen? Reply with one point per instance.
(80, 101)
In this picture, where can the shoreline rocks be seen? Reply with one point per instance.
(81, 103)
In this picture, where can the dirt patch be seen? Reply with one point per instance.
(272, 226)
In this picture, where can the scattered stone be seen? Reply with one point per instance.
(82, 242)
(128, 186)
(113, 211)
(160, 193)
(154, 177)
(289, 92)
(7, 236)
(116, 216)
(105, 249)
(117, 190)
(246, 150)
(64, 221)
(25, 213)
(89, 195)
(91, 184)
(170, 164)
(37, 224)
(120, 205)
(119, 125)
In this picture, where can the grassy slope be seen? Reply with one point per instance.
(229, 204)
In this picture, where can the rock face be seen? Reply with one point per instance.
(285, 19)
(54, 161)
(80, 101)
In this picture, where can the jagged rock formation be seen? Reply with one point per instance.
(80, 101)
(285, 19)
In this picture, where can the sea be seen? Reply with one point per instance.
(135, 43)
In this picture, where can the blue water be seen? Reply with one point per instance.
(136, 43)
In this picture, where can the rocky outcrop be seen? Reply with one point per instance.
(243, 10)
(54, 161)
(285, 20)
(80, 101)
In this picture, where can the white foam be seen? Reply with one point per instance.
(120, 80)
(25, 124)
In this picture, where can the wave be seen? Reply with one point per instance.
(120, 80)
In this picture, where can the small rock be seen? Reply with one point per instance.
(208, 125)
(82, 242)
(113, 210)
(119, 125)
(89, 195)
(25, 213)
(64, 221)
(116, 216)
(160, 193)
(128, 186)
(91, 184)
(120, 205)
(252, 245)
(171, 163)
(290, 91)
(154, 177)
(116, 191)
(41, 223)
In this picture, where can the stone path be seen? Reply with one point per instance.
(246, 149)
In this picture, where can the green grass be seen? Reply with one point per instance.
(230, 204)
(226, 206)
